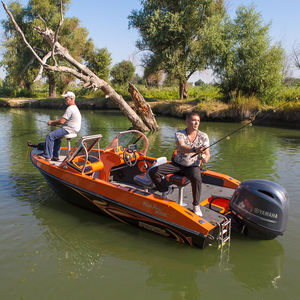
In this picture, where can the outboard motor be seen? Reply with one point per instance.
(260, 208)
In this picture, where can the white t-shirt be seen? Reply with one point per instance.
(190, 159)
(73, 117)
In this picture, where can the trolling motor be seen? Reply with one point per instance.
(260, 209)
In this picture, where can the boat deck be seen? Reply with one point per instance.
(208, 190)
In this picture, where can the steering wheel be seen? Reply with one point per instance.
(130, 157)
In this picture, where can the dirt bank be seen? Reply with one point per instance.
(216, 111)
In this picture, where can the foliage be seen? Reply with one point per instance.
(122, 72)
(171, 33)
(137, 79)
(17, 60)
(244, 60)
(288, 94)
(245, 106)
(207, 93)
(292, 82)
(19, 63)
(199, 82)
(98, 61)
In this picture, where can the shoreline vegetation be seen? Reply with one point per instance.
(207, 102)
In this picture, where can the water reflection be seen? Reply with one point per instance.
(261, 266)
(84, 245)
(84, 242)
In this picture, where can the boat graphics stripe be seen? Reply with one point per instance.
(154, 219)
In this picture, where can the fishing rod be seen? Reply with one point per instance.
(250, 123)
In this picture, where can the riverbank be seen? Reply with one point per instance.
(287, 116)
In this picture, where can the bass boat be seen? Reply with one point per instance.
(115, 181)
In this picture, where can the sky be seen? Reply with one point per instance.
(107, 24)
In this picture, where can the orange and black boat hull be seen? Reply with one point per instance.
(123, 213)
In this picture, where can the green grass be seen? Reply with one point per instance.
(204, 96)
(207, 92)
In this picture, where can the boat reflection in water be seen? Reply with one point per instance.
(267, 257)
(86, 244)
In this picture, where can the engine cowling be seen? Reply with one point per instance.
(261, 207)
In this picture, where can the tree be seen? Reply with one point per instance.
(199, 82)
(69, 65)
(244, 60)
(99, 61)
(152, 74)
(296, 56)
(172, 32)
(122, 72)
(20, 64)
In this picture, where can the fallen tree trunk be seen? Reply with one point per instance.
(77, 69)
(143, 108)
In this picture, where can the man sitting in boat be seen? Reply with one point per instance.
(71, 123)
(189, 142)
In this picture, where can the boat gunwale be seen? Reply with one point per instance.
(129, 208)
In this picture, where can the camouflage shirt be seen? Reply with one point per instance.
(186, 159)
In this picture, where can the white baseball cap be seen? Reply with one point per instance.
(69, 94)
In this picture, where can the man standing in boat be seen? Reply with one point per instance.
(71, 123)
(189, 142)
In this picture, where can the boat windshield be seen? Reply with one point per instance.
(84, 151)
(130, 139)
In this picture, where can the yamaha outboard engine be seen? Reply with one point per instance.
(260, 208)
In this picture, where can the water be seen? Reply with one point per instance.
(50, 249)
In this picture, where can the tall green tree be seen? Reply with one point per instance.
(20, 65)
(17, 61)
(244, 59)
(172, 32)
(122, 72)
(99, 61)
(82, 72)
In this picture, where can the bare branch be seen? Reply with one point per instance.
(21, 32)
(57, 31)
(39, 75)
(80, 71)
(27, 66)
(44, 52)
(42, 21)
(296, 58)
(60, 23)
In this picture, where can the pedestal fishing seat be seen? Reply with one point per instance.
(180, 181)
(68, 137)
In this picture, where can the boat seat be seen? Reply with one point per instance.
(173, 179)
(68, 137)
(180, 181)
(145, 180)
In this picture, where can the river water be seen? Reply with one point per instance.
(50, 249)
